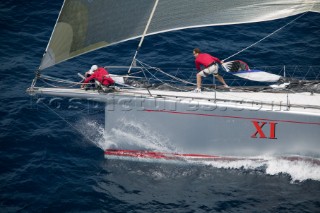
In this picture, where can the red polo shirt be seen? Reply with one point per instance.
(205, 59)
(100, 75)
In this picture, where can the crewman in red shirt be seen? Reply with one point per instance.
(211, 67)
(100, 74)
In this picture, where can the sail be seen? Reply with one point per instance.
(242, 70)
(87, 25)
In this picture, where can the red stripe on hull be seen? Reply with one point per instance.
(156, 155)
(235, 117)
(144, 154)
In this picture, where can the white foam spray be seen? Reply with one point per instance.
(299, 168)
(125, 134)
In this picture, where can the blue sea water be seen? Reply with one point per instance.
(51, 156)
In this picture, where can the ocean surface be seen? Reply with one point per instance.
(51, 156)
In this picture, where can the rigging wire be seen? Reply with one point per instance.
(142, 64)
(171, 76)
(62, 118)
(54, 86)
(36, 77)
(265, 37)
(59, 80)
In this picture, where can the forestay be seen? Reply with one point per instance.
(86, 25)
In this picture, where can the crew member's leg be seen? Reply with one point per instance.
(199, 80)
(214, 69)
(220, 78)
(108, 81)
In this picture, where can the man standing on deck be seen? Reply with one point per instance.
(211, 65)
(100, 74)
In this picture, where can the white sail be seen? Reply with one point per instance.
(242, 70)
(85, 26)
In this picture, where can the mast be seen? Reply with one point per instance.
(143, 35)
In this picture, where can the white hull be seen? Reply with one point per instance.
(222, 123)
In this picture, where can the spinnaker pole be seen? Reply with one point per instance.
(143, 35)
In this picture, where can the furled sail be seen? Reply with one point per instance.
(86, 25)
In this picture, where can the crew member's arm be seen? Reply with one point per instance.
(217, 60)
(87, 80)
(198, 65)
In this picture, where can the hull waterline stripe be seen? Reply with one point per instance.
(153, 153)
(145, 154)
(157, 155)
(236, 117)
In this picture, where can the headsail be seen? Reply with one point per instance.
(85, 25)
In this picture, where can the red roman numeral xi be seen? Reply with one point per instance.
(258, 127)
